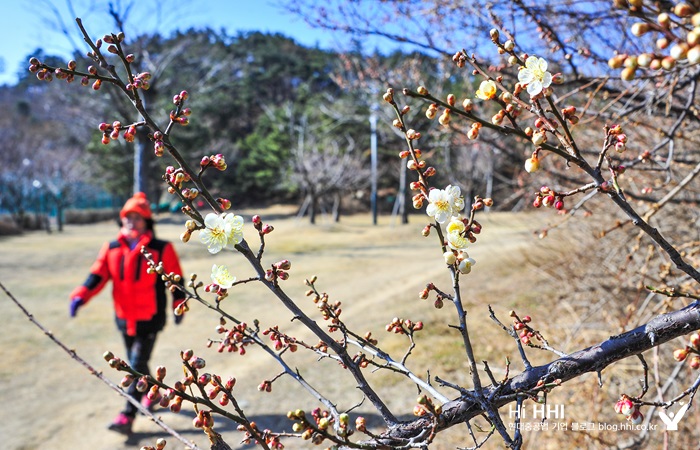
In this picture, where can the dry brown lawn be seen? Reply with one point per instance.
(50, 402)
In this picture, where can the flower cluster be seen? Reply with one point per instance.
(464, 262)
(329, 310)
(316, 427)
(140, 81)
(222, 231)
(180, 115)
(444, 203)
(425, 406)
(525, 332)
(549, 198)
(271, 439)
(175, 178)
(111, 132)
(235, 339)
(406, 326)
(280, 340)
(619, 139)
(278, 271)
(216, 161)
(678, 30)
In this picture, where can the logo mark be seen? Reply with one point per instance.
(672, 420)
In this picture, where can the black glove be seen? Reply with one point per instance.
(74, 305)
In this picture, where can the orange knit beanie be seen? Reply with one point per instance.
(138, 204)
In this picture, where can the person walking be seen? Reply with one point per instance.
(139, 294)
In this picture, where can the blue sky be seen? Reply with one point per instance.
(25, 26)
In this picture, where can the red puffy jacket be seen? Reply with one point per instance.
(139, 297)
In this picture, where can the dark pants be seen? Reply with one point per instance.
(138, 350)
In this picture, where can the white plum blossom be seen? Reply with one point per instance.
(445, 203)
(221, 276)
(222, 231)
(455, 234)
(465, 265)
(487, 90)
(532, 164)
(535, 75)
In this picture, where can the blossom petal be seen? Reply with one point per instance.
(525, 76)
(547, 79)
(534, 88)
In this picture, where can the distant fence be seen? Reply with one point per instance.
(90, 198)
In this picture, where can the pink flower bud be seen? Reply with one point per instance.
(680, 354)
(636, 417)
(176, 405)
(695, 340)
(695, 362)
(283, 265)
(127, 380)
(154, 394)
(142, 384)
(198, 363)
(625, 406)
(204, 379)
(224, 203)
(187, 354)
(548, 201)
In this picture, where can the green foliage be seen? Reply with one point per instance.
(265, 153)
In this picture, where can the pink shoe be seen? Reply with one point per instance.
(122, 424)
(149, 404)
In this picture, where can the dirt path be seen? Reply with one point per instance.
(50, 402)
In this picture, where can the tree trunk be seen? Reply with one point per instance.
(337, 206)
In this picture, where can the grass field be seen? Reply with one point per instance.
(51, 402)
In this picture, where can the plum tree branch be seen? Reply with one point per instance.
(657, 331)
